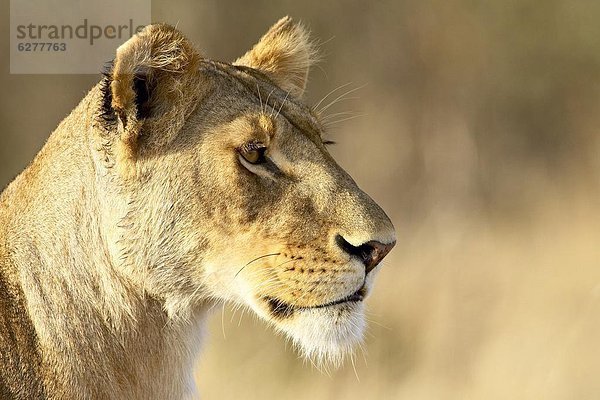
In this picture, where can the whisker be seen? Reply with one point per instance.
(256, 259)
(236, 307)
(233, 311)
(330, 123)
(266, 287)
(354, 366)
(223, 321)
(329, 116)
(282, 103)
(316, 106)
(364, 353)
(321, 112)
(267, 102)
(340, 97)
(241, 315)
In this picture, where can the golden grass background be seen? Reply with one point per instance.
(479, 136)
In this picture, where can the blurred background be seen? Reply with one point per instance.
(476, 126)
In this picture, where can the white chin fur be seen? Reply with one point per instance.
(326, 335)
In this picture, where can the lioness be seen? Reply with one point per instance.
(179, 182)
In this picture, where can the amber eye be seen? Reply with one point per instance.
(254, 153)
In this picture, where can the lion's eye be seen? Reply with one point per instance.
(254, 153)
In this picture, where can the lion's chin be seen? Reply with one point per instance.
(324, 335)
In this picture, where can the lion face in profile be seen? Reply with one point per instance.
(221, 188)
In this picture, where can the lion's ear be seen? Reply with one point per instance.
(150, 84)
(285, 53)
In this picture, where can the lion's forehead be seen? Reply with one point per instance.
(260, 89)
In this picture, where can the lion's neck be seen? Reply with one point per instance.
(99, 326)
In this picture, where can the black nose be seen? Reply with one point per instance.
(371, 253)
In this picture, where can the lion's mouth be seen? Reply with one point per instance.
(281, 309)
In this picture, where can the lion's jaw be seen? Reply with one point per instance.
(319, 305)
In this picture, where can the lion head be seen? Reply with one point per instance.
(218, 187)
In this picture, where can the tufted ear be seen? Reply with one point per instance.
(152, 87)
(285, 54)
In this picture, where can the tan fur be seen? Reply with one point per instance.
(134, 219)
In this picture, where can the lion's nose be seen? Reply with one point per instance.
(370, 253)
